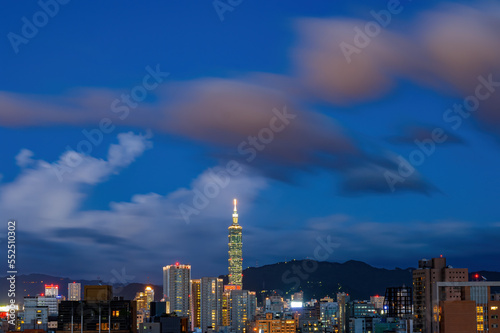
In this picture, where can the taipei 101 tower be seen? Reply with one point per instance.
(235, 255)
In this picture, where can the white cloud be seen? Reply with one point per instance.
(24, 158)
(50, 212)
(41, 197)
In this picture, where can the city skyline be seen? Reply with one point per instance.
(371, 127)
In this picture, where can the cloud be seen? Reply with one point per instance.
(24, 158)
(326, 72)
(461, 42)
(51, 222)
(367, 240)
(227, 112)
(255, 121)
(379, 243)
(422, 133)
(151, 225)
(446, 48)
(81, 106)
(376, 179)
(55, 190)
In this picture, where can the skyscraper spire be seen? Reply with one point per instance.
(235, 213)
(235, 251)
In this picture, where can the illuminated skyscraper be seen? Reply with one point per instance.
(241, 309)
(226, 320)
(144, 300)
(150, 297)
(211, 303)
(195, 304)
(177, 288)
(235, 255)
(74, 291)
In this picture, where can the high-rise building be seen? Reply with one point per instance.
(195, 304)
(50, 303)
(226, 311)
(360, 309)
(177, 288)
(328, 311)
(74, 291)
(35, 316)
(398, 302)
(235, 251)
(378, 302)
(242, 305)
(426, 316)
(475, 311)
(141, 301)
(211, 303)
(101, 316)
(150, 297)
(274, 304)
(51, 290)
(342, 300)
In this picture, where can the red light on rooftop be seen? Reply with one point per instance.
(176, 264)
(477, 276)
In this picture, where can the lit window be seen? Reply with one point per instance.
(493, 308)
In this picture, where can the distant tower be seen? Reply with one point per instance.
(235, 255)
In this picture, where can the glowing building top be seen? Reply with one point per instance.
(235, 251)
(235, 213)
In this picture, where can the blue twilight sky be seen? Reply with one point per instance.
(373, 125)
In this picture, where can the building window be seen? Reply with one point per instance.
(116, 313)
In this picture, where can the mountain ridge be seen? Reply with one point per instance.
(315, 279)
